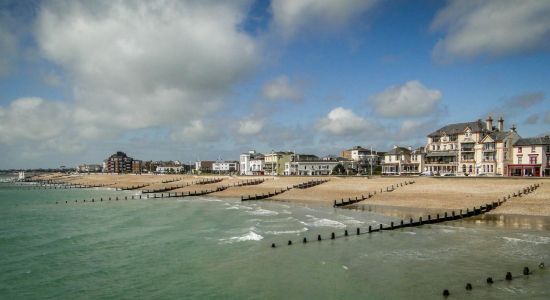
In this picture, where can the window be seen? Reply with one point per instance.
(548, 149)
(519, 160)
(533, 148)
(463, 168)
(532, 160)
(519, 149)
(470, 169)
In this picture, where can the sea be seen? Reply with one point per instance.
(210, 248)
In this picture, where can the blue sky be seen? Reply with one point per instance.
(194, 80)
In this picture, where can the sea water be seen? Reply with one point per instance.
(209, 248)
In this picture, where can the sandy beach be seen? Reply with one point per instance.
(428, 193)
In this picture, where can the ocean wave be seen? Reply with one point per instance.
(286, 231)
(318, 222)
(263, 212)
(250, 236)
(537, 240)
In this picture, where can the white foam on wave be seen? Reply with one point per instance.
(287, 231)
(250, 236)
(537, 240)
(318, 222)
(263, 212)
(409, 232)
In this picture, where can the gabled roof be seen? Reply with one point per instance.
(457, 128)
(499, 136)
(543, 140)
(398, 150)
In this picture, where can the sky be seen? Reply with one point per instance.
(206, 80)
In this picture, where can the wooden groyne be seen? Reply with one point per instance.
(249, 182)
(133, 187)
(349, 201)
(303, 185)
(311, 183)
(175, 187)
(64, 186)
(263, 195)
(445, 217)
(152, 196)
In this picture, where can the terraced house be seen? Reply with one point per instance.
(531, 157)
(472, 148)
(403, 161)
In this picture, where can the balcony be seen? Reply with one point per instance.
(467, 149)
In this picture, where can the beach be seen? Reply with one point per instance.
(431, 194)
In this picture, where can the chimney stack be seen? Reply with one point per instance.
(489, 123)
(513, 128)
(501, 124)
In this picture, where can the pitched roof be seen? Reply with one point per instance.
(398, 150)
(542, 140)
(452, 129)
(499, 136)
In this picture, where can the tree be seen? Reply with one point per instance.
(339, 170)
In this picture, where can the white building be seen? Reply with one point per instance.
(403, 161)
(226, 167)
(251, 163)
(174, 169)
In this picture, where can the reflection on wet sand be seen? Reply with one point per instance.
(502, 221)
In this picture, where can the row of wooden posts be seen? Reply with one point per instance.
(174, 187)
(475, 211)
(303, 185)
(155, 196)
(490, 281)
(64, 186)
(263, 195)
(349, 201)
(311, 183)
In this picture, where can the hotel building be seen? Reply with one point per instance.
(472, 148)
(274, 162)
(252, 163)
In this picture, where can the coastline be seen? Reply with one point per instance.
(426, 195)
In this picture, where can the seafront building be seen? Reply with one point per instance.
(225, 167)
(121, 163)
(472, 148)
(274, 162)
(204, 166)
(89, 168)
(308, 165)
(252, 163)
(403, 161)
(531, 157)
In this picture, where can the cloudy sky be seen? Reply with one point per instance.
(208, 79)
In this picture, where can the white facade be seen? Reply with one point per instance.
(169, 169)
(310, 168)
(251, 163)
(226, 166)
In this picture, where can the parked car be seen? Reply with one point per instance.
(448, 175)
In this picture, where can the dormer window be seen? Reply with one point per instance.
(519, 149)
(533, 148)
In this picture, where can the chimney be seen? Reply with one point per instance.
(489, 123)
(500, 124)
(513, 128)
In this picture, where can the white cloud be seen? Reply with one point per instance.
(250, 126)
(291, 16)
(143, 64)
(33, 119)
(409, 99)
(281, 89)
(341, 121)
(197, 131)
(492, 27)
